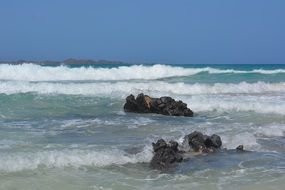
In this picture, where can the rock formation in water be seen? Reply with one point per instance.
(198, 142)
(165, 154)
(164, 105)
(169, 154)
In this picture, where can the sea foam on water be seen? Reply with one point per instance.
(32, 72)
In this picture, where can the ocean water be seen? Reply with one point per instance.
(63, 127)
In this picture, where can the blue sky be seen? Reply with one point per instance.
(163, 31)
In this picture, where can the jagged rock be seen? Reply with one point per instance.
(203, 143)
(171, 153)
(213, 141)
(239, 148)
(165, 154)
(164, 105)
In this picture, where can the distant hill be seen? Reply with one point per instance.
(69, 61)
(90, 61)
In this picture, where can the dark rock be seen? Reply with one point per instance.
(160, 144)
(165, 154)
(132, 104)
(166, 100)
(196, 141)
(213, 141)
(169, 154)
(203, 143)
(164, 105)
(173, 145)
(239, 148)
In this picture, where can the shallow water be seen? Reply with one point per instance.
(64, 127)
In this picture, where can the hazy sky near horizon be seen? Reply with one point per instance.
(163, 31)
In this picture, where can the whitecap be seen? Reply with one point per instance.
(274, 130)
(124, 88)
(19, 161)
(32, 72)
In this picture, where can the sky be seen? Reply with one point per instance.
(148, 31)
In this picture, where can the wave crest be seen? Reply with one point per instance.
(32, 72)
(14, 162)
(121, 89)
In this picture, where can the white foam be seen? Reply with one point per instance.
(277, 130)
(14, 162)
(32, 72)
(259, 104)
(123, 88)
(114, 121)
(258, 97)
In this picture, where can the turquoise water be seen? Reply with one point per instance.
(63, 127)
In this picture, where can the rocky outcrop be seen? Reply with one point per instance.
(198, 142)
(165, 154)
(169, 154)
(164, 105)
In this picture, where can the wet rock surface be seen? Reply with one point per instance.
(167, 154)
(240, 148)
(199, 142)
(163, 105)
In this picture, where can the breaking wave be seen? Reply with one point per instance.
(262, 104)
(19, 161)
(259, 97)
(32, 72)
(125, 88)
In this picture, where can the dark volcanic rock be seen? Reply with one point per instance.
(203, 143)
(239, 148)
(165, 154)
(169, 154)
(164, 105)
(213, 141)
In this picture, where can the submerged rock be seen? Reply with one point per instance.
(164, 105)
(165, 154)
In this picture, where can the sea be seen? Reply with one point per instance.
(63, 127)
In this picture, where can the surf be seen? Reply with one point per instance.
(121, 89)
(33, 72)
